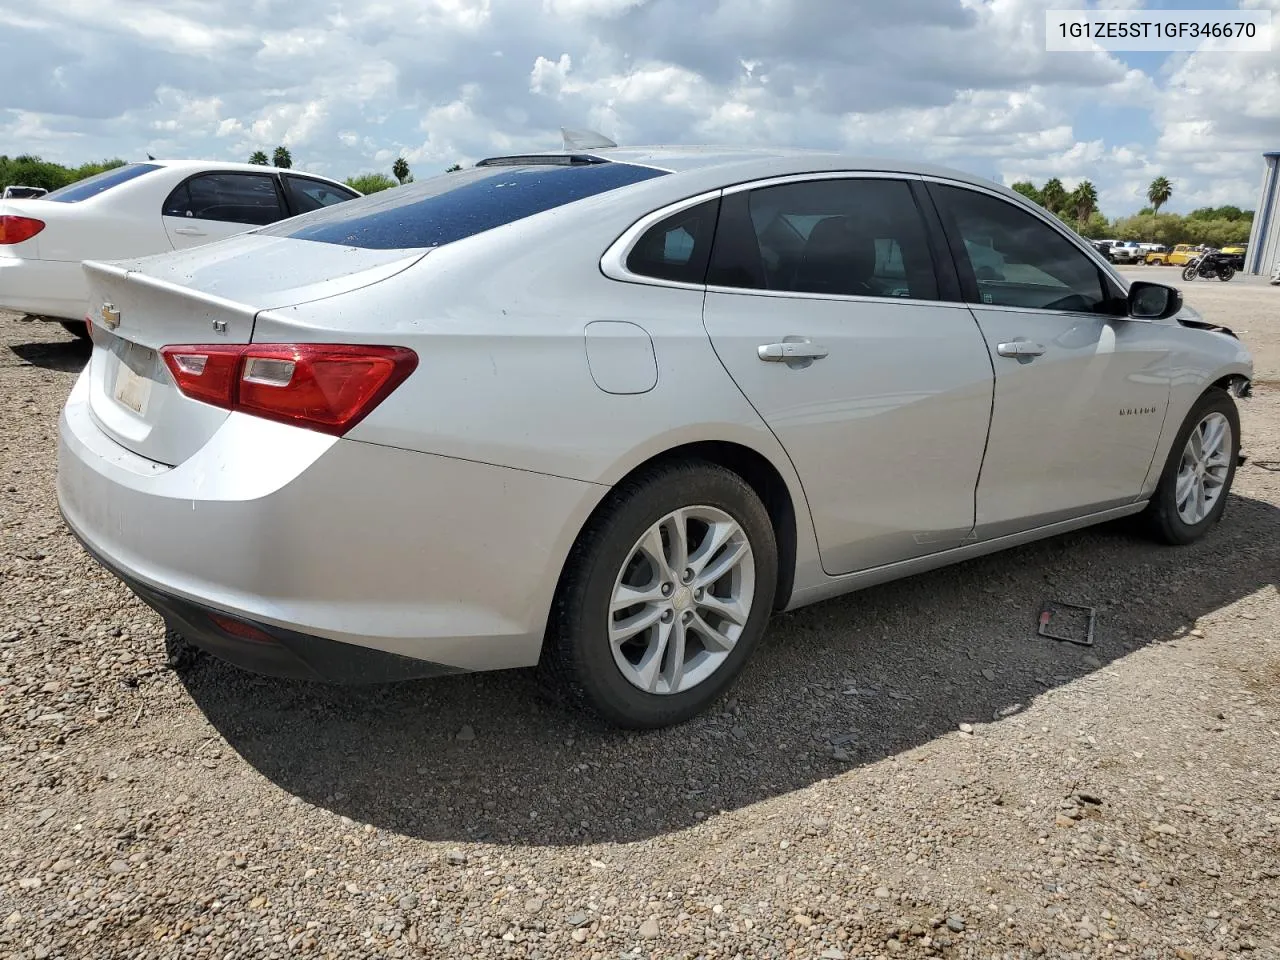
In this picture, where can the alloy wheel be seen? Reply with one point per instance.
(1203, 470)
(681, 600)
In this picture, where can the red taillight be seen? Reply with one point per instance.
(16, 229)
(321, 386)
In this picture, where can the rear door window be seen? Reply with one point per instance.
(306, 194)
(843, 237)
(249, 198)
(100, 183)
(456, 205)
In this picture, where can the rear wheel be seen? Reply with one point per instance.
(1226, 273)
(664, 596)
(76, 327)
(1197, 477)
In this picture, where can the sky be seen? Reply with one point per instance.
(349, 85)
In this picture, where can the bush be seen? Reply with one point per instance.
(368, 183)
(1171, 228)
(30, 171)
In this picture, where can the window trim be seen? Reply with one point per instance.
(968, 282)
(613, 262)
(926, 222)
(281, 198)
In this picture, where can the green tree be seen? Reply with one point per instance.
(31, 171)
(368, 183)
(1028, 190)
(93, 168)
(259, 157)
(1170, 228)
(1159, 193)
(401, 170)
(456, 166)
(1095, 226)
(282, 158)
(1228, 212)
(1083, 201)
(1053, 195)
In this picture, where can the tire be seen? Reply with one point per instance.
(77, 328)
(1226, 273)
(1188, 272)
(580, 659)
(1162, 516)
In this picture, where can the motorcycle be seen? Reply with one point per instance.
(1210, 265)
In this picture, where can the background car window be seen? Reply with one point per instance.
(678, 247)
(856, 237)
(92, 186)
(1019, 260)
(306, 195)
(250, 198)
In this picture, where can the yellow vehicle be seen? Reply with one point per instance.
(1235, 249)
(1178, 256)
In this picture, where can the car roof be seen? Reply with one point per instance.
(757, 162)
(232, 166)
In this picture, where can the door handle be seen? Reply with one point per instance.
(791, 350)
(1020, 348)
(189, 231)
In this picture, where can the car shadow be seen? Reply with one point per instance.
(856, 679)
(69, 355)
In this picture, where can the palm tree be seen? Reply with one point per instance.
(282, 158)
(259, 157)
(1084, 200)
(401, 170)
(1053, 195)
(1159, 193)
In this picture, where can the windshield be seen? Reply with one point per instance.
(92, 186)
(457, 205)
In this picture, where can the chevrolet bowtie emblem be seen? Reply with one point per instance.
(110, 316)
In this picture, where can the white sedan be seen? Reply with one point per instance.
(133, 211)
(603, 412)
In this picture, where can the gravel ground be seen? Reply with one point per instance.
(904, 772)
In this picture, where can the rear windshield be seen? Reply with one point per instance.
(92, 186)
(456, 205)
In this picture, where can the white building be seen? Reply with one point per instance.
(1264, 238)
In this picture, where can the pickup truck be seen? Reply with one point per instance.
(1126, 251)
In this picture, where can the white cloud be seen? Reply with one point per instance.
(353, 84)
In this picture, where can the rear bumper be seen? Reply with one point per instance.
(56, 289)
(271, 650)
(313, 539)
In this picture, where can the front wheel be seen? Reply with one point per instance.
(1189, 272)
(664, 596)
(1193, 489)
(1226, 273)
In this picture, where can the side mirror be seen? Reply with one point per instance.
(1153, 301)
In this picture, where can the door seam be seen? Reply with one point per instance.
(972, 537)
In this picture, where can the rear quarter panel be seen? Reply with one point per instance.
(498, 323)
(122, 222)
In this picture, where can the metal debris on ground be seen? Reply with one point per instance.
(1070, 622)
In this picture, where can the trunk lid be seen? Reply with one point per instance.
(209, 294)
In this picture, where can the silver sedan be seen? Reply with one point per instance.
(604, 412)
